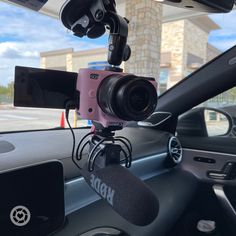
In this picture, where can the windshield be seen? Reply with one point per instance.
(164, 47)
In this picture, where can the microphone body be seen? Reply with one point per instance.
(127, 194)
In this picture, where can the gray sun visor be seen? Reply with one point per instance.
(35, 5)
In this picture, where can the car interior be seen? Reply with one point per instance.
(170, 172)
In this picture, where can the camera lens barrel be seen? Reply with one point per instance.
(128, 97)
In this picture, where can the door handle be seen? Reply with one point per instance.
(227, 173)
(217, 175)
(224, 201)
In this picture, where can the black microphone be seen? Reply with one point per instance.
(127, 194)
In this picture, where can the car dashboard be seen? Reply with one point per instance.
(86, 213)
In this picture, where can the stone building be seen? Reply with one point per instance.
(184, 48)
(167, 51)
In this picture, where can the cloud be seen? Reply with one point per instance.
(225, 37)
(15, 50)
(3, 67)
(24, 34)
(223, 44)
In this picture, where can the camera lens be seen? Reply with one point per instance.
(127, 97)
(138, 99)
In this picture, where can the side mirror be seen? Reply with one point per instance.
(217, 122)
(219, 6)
(205, 122)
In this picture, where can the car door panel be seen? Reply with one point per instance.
(194, 162)
(219, 144)
(202, 163)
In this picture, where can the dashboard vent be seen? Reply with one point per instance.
(175, 150)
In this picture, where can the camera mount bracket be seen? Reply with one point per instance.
(91, 18)
(104, 148)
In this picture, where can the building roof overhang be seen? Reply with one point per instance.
(205, 23)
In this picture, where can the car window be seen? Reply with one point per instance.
(217, 116)
(34, 40)
(217, 121)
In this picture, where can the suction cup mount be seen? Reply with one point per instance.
(91, 18)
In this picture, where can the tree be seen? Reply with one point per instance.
(233, 94)
(7, 93)
(10, 89)
(3, 90)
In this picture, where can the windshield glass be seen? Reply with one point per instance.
(28, 38)
(164, 46)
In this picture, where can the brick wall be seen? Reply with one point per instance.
(195, 42)
(182, 39)
(173, 41)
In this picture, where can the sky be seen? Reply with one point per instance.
(224, 38)
(24, 34)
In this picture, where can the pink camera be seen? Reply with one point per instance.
(113, 98)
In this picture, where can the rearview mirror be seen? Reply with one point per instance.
(220, 6)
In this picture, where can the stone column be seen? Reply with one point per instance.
(144, 37)
(69, 62)
(43, 62)
(173, 42)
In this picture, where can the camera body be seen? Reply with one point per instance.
(113, 98)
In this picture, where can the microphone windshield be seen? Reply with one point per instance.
(127, 194)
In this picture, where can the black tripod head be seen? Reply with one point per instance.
(91, 18)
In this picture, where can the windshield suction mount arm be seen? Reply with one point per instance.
(118, 49)
(92, 18)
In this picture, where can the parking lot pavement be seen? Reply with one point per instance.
(18, 119)
(14, 119)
